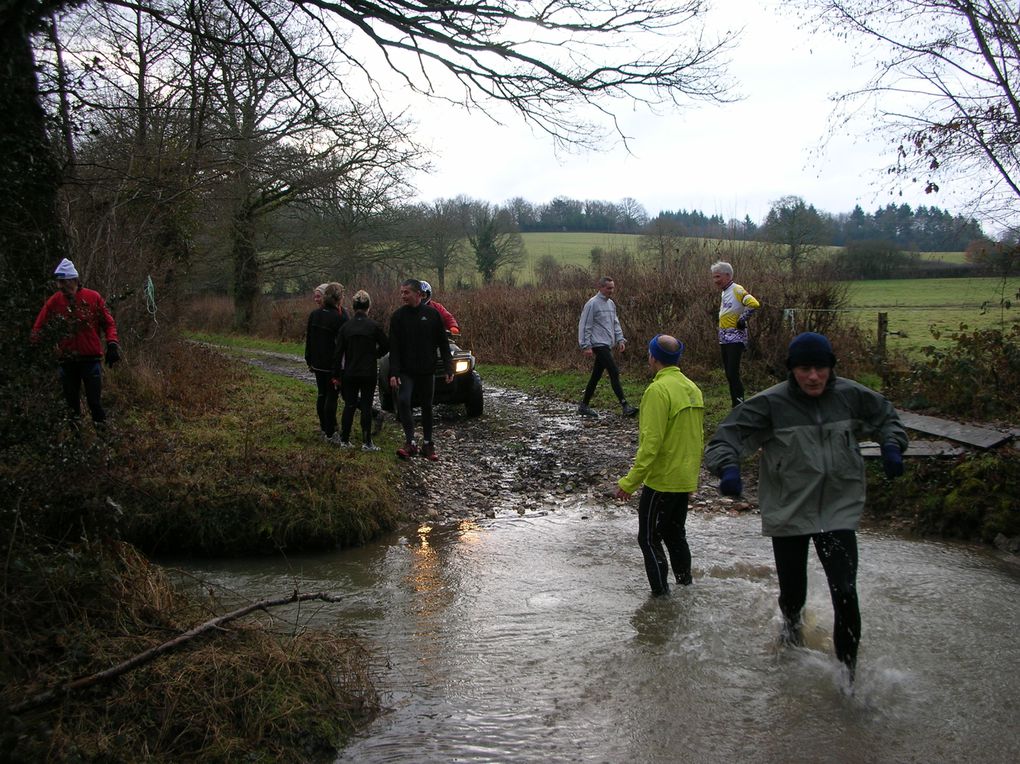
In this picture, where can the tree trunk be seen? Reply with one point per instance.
(31, 239)
(246, 271)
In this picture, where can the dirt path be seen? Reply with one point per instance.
(527, 453)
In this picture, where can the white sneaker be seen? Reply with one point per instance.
(370, 447)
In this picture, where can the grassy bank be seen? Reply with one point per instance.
(201, 456)
(233, 464)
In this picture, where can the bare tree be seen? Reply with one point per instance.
(662, 241)
(548, 61)
(633, 215)
(278, 133)
(946, 84)
(434, 235)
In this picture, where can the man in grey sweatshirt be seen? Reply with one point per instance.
(598, 332)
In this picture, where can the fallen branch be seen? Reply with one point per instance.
(48, 696)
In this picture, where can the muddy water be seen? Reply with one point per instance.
(533, 639)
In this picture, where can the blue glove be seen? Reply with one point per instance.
(730, 484)
(892, 460)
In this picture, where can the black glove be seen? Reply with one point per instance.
(742, 322)
(112, 353)
(892, 460)
(730, 484)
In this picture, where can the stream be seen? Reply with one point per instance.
(519, 628)
(534, 639)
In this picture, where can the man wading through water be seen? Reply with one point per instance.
(811, 484)
(670, 440)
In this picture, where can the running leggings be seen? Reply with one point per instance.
(358, 393)
(731, 352)
(661, 520)
(325, 401)
(837, 551)
(76, 374)
(603, 363)
(416, 388)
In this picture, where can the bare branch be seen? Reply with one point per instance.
(56, 693)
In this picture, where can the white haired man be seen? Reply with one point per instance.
(736, 305)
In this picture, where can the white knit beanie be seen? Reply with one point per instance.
(66, 270)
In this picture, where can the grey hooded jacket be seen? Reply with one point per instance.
(598, 324)
(811, 476)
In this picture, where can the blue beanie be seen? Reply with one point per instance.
(662, 355)
(810, 349)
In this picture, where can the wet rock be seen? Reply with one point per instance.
(1005, 544)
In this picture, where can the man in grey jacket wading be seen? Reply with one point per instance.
(811, 485)
(598, 332)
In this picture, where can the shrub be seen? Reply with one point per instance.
(970, 497)
(977, 376)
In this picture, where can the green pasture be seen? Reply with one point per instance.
(575, 248)
(916, 306)
(946, 257)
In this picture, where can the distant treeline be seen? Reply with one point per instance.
(924, 229)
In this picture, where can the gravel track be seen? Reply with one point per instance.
(527, 453)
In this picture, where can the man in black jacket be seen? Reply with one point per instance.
(416, 334)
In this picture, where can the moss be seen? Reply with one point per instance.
(973, 497)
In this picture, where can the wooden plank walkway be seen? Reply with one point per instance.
(981, 437)
(871, 450)
(970, 435)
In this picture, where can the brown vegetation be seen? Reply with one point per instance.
(536, 326)
(180, 467)
(297, 693)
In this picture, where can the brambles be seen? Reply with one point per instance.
(977, 376)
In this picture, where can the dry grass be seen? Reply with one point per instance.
(248, 692)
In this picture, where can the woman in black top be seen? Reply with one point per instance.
(360, 343)
(320, 342)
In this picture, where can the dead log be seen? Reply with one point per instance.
(55, 693)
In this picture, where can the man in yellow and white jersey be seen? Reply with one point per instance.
(735, 307)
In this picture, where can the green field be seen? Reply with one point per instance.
(915, 305)
(576, 248)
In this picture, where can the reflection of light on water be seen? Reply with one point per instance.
(424, 574)
(469, 532)
(430, 596)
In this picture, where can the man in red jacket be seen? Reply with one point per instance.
(82, 315)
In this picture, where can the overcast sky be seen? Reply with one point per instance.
(730, 159)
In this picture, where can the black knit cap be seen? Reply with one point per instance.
(810, 349)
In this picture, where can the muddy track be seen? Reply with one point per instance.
(527, 453)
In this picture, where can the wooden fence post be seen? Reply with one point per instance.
(883, 331)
